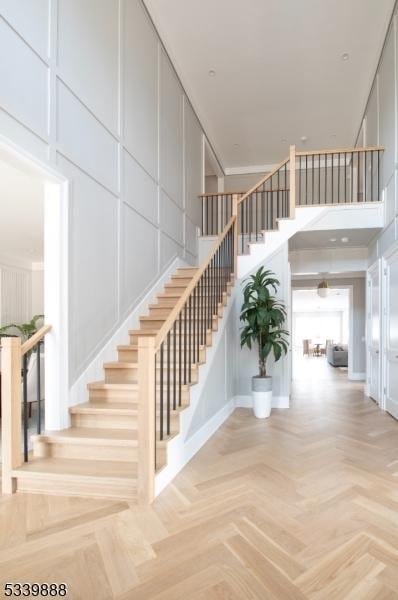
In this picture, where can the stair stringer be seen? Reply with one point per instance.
(273, 240)
(184, 446)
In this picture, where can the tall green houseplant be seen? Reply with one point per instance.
(263, 316)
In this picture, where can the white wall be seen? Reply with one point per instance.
(87, 87)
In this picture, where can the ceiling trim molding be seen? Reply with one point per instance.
(250, 169)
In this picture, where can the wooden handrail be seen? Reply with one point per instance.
(242, 193)
(163, 331)
(220, 194)
(37, 337)
(341, 151)
(263, 180)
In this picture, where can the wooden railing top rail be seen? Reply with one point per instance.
(32, 341)
(281, 189)
(263, 180)
(341, 151)
(167, 325)
(220, 194)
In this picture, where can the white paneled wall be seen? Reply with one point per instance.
(381, 127)
(87, 86)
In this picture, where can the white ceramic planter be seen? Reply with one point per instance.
(262, 396)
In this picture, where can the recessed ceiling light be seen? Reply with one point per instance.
(333, 239)
(345, 56)
(303, 138)
(333, 135)
(236, 145)
(212, 73)
(344, 240)
(284, 141)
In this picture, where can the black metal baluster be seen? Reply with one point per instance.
(183, 335)
(179, 360)
(326, 179)
(378, 175)
(156, 396)
(161, 424)
(365, 170)
(38, 387)
(174, 367)
(256, 215)
(190, 339)
(345, 177)
(338, 180)
(300, 181)
(359, 177)
(168, 385)
(319, 178)
(313, 178)
(25, 408)
(193, 295)
(371, 176)
(332, 178)
(352, 177)
(306, 178)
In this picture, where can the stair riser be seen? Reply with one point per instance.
(78, 450)
(209, 337)
(130, 375)
(132, 356)
(86, 488)
(110, 396)
(127, 355)
(105, 421)
(156, 325)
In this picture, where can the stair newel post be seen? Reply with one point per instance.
(235, 205)
(146, 419)
(292, 160)
(10, 411)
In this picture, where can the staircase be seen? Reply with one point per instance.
(118, 439)
(98, 455)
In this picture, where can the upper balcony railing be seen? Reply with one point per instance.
(322, 177)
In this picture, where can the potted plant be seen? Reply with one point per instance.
(26, 330)
(263, 316)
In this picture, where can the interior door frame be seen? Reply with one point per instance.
(56, 278)
(376, 267)
(386, 260)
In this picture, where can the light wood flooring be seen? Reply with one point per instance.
(304, 505)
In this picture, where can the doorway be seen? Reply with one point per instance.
(43, 240)
(321, 340)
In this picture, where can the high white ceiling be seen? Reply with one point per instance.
(21, 217)
(279, 69)
(309, 301)
(356, 238)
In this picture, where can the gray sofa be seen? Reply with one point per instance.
(337, 355)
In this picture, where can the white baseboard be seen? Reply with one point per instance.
(94, 371)
(247, 402)
(357, 376)
(182, 453)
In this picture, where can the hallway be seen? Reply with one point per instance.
(304, 505)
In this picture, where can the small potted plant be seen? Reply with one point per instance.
(263, 316)
(25, 330)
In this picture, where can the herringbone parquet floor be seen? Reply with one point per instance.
(304, 505)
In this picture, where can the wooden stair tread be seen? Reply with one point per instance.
(71, 467)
